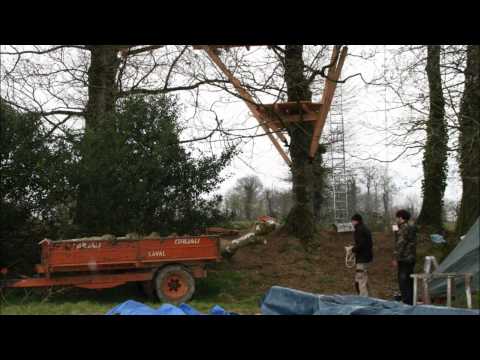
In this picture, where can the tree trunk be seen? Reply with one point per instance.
(386, 204)
(368, 206)
(435, 155)
(102, 73)
(352, 196)
(306, 186)
(469, 139)
(319, 174)
(269, 199)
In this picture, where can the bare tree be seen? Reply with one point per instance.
(270, 202)
(388, 190)
(250, 188)
(435, 153)
(469, 121)
(85, 82)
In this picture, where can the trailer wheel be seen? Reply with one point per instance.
(174, 284)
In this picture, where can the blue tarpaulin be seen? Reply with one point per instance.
(437, 239)
(132, 307)
(285, 301)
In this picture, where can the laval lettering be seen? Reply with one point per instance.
(156, 253)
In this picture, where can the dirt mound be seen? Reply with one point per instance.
(284, 262)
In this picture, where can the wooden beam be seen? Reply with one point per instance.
(449, 291)
(290, 119)
(306, 109)
(280, 114)
(468, 291)
(426, 293)
(247, 99)
(415, 290)
(273, 125)
(329, 91)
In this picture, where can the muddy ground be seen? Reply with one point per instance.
(284, 262)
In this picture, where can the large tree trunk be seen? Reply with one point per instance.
(301, 219)
(319, 174)
(102, 73)
(469, 156)
(435, 155)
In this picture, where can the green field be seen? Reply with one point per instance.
(225, 288)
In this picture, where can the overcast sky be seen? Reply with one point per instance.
(365, 124)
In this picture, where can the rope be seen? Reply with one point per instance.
(349, 257)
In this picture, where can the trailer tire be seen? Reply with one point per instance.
(174, 284)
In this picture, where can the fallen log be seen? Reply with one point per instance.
(229, 250)
(262, 227)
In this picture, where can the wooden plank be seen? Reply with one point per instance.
(247, 99)
(275, 123)
(306, 109)
(294, 119)
(415, 285)
(426, 294)
(468, 291)
(275, 126)
(272, 124)
(291, 113)
(449, 291)
(328, 93)
(454, 289)
(442, 275)
(293, 106)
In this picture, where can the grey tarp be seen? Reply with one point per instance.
(463, 259)
(285, 301)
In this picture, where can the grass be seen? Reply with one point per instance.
(234, 291)
(229, 289)
(461, 301)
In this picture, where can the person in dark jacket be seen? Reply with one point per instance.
(405, 255)
(363, 254)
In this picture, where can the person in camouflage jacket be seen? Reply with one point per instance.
(405, 255)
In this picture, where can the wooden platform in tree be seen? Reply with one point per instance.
(274, 118)
(280, 114)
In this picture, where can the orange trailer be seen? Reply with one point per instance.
(166, 267)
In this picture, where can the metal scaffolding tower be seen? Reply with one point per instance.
(336, 139)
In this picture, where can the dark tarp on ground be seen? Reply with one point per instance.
(284, 301)
(132, 307)
(463, 259)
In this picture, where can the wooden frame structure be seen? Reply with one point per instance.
(426, 278)
(432, 264)
(274, 117)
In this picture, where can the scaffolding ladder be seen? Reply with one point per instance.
(339, 178)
